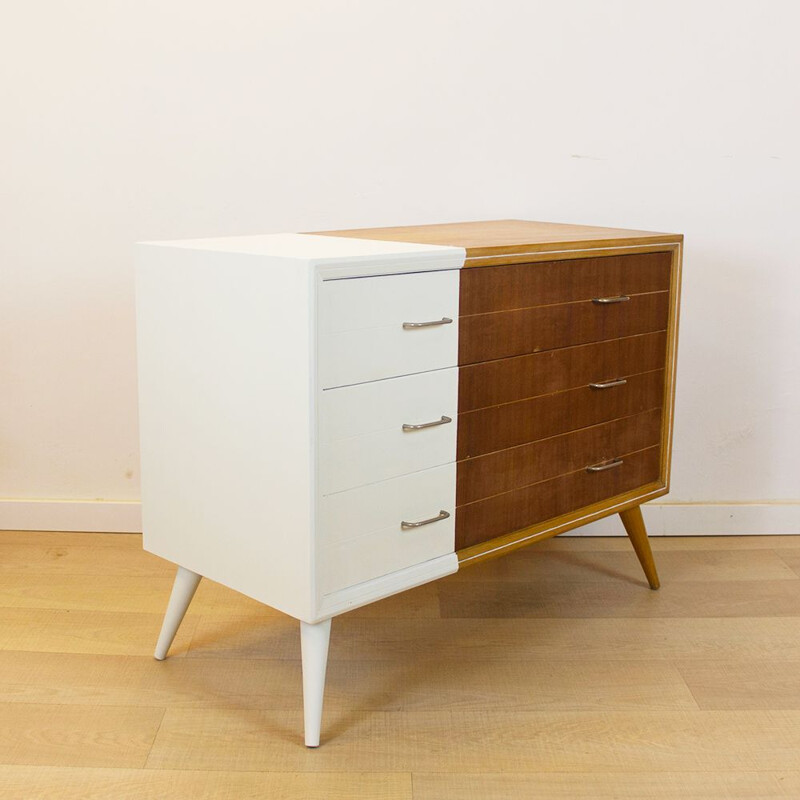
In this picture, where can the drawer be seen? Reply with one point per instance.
(372, 328)
(517, 467)
(360, 534)
(509, 379)
(495, 516)
(512, 424)
(362, 438)
(503, 334)
(505, 288)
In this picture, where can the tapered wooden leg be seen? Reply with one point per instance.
(314, 641)
(637, 533)
(183, 591)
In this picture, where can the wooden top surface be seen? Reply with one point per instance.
(510, 236)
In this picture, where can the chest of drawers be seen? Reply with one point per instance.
(328, 419)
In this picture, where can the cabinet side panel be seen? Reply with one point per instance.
(224, 350)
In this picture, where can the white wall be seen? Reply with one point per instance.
(124, 121)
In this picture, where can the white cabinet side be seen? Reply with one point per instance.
(225, 350)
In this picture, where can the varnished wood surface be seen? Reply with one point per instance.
(505, 288)
(512, 424)
(672, 363)
(502, 236)
(540, 533)
(552, 309)
(634, 526)
(495, 516)
(482, 337)
(508, 379)
(516, 467)
(562, 674)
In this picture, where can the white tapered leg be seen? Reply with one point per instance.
(314, 641)
(183, 591)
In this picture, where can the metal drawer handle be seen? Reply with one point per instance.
(608, 384)
(604, 301)
(442, 321)
(443, 421)
(602, 467)
(440, 516)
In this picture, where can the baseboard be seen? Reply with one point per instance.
(97, 516)
(706, 519)
(663, 519)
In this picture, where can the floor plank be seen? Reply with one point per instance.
(791, 558)
(89, 736)
(619, 599)
(759, 685)
(85, 558)
(661, 544)
(789, 783)
(123, 593)
(467, 741)
(501, 639)
(674, 566)
(102, 632)
(384, 686)
(728, 785)
(128, 541)
(54, 783)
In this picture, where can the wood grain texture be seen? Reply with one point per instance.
(485, 290)
(637, 533)
(509, 236)
(601, 558)
(506, 380)
(698, 785)
(272, 684)
(704, 546)
(543, 531)
(672, 364)
(543, 599)
(66, 631)
(47, 554)
(58, 539)
(688, 636)
(513, 315)
(119, 736)
(678, 694)
(54, 783)
(132, 594)
(518, 741)
(486, 519)
(511, 424)
(483, 337)
(791, 558)
(720, 686)
(505, 470)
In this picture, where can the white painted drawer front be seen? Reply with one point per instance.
(361, 333)
(361, 429)
(360, 535)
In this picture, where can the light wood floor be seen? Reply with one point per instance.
(551, 673)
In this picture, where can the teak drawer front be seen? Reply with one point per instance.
(517, 467)
(509, 379)
(362, 439)
(483, 337)
(505, 513)
(360, 531)
(504, 288)
(361, 326)
(512, 424)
